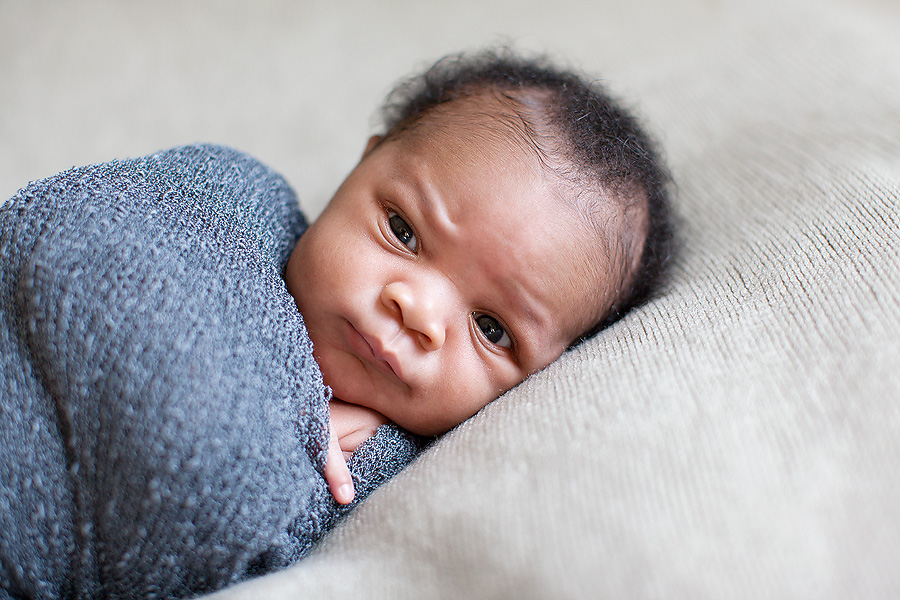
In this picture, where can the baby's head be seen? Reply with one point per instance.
(508, 211)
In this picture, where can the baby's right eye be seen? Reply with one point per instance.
(402, 231)
(492, 330)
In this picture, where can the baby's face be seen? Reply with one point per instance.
(444, 271)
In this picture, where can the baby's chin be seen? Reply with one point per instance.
(414, 423)
(358, 396)
(411, 409)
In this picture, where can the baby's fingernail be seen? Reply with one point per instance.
(345, 493)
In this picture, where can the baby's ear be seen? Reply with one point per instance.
(372, 143)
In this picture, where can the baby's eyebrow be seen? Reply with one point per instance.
(430, 204)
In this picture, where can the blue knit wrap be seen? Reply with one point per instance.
(162, 419)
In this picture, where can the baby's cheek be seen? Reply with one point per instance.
(478, 386)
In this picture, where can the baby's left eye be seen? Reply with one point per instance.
(493, 331)
(402, 231)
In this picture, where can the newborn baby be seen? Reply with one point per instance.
(166, 423)
(510, 210)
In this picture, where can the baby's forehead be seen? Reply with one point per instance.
(491, 114)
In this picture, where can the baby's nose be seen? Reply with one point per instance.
(422, 310)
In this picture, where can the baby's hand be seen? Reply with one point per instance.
(351, 425)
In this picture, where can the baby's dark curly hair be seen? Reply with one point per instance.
(584, 135)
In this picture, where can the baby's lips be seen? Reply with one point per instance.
(371, 349)
(385, 356)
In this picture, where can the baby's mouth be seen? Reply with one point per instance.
(371, 349)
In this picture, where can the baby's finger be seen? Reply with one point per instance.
(337, 474)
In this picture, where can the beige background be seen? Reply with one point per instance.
(294, 83)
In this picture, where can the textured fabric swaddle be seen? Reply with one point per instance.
(162, 419)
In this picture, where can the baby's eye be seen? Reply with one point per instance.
(403, 231)
(493, 331)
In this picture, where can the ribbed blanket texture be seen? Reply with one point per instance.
(162, 419)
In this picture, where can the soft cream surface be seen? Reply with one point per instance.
(735, 438)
